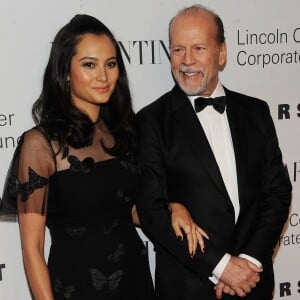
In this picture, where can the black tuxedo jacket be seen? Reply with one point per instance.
(177, 165)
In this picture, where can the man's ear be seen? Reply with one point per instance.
(222, 56)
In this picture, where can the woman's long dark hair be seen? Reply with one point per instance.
(54, 111)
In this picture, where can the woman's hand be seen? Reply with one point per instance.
(183, 222)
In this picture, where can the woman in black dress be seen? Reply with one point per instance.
(75, 173)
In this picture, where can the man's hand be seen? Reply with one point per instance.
(221, 288)
(240, 275)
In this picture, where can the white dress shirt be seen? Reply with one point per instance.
(217, 131)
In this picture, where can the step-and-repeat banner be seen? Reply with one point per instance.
(263, 39)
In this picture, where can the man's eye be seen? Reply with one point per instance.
(178, 51)
(199, 49)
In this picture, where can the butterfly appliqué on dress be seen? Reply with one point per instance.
(65, 290)
(25, 189)
(129, 163)
(121, 196)
(76, 165)
(115, 257)
(103, 282)
(75, 232)
(109, 228)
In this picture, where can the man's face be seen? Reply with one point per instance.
(196, 56)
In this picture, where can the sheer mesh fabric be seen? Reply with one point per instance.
(87, 200)
(35, 160)
(95, 151)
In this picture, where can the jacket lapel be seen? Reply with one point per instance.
(195, 136)
(237, 124)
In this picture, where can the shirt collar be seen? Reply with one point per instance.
(218, 92)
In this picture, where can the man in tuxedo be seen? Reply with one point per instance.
(220, 158)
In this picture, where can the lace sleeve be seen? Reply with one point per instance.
(26, 185)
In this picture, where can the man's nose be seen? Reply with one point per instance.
(188, 58)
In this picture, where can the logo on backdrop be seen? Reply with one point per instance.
(7, 120)
(292, 236)
(2, 267)
(287, 289)
(258, 47)
(145, 52)
(286, 111)
(295, 174)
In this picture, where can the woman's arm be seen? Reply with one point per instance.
(32, 230)
(33, 164)
(182, 222)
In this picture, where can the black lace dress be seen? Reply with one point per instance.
(95, 251)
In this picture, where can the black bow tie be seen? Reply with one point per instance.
(218, 103)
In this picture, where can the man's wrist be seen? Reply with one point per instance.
(251, 259)
(219, 269)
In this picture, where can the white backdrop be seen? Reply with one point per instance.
(263, 40)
